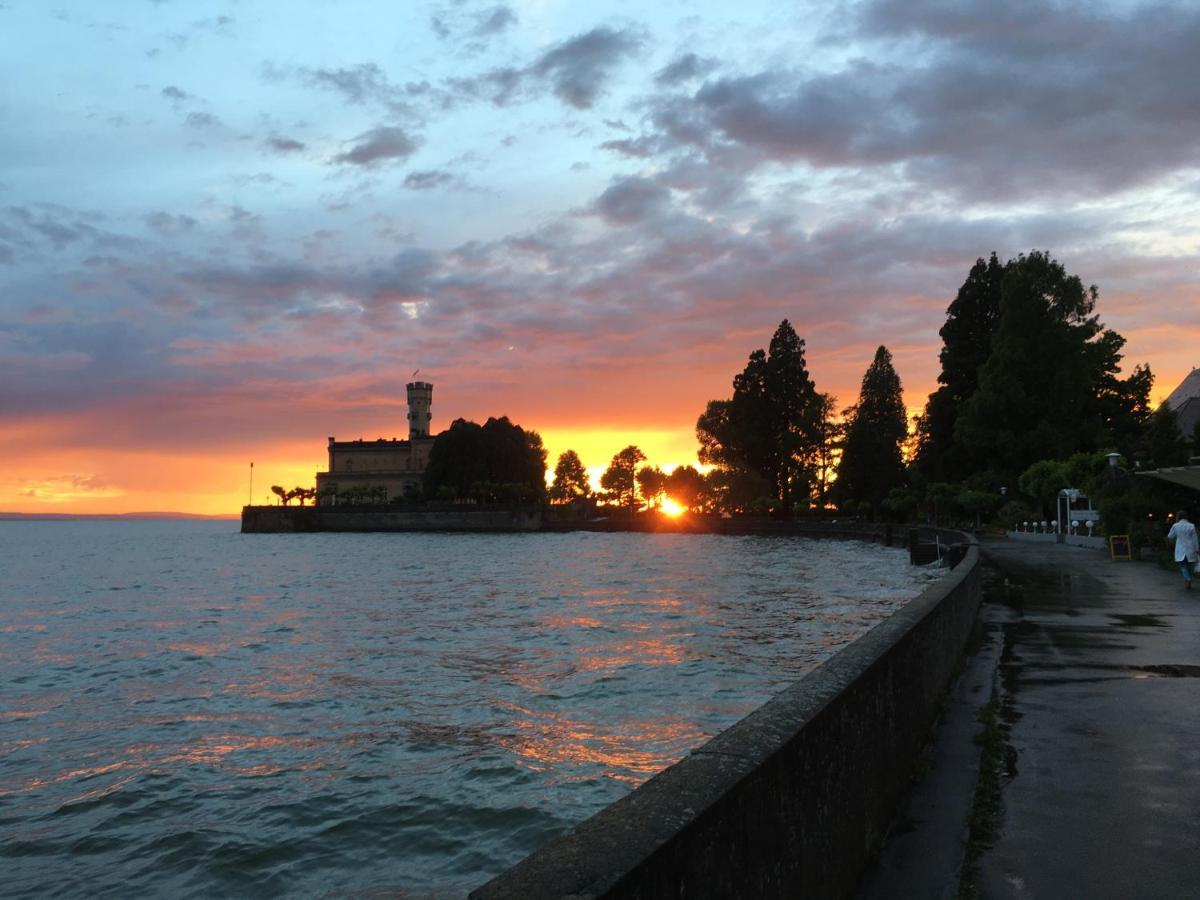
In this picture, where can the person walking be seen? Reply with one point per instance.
(1183, 533)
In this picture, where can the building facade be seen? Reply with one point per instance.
(382, 469)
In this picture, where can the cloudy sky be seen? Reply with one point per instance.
(231, 229)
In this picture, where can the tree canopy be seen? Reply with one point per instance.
(1045, 382)
(619, 479)
(570, 478)
(773, 425)
(469, 459)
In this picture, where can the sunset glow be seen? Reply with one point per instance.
(670, 508)
(227, 234)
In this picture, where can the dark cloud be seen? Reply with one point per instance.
(362, 84)
(578, 68)
(632, 200)
(575, 70)
(986, 102)
(428, 180)
(478, 25)
(45, 223)
(73, 366)
(176, 95)
(637, 148)
(167, 224)
(283, 144)
(498, 86)
(494, 21)
(684, 69)
(379, 146)
(202, 120)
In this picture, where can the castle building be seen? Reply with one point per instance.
(392, 465)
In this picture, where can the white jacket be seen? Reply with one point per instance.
(1183, 533)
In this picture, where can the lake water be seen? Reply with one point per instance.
(188, 711)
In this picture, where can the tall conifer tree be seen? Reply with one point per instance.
(971, 322)
(876, 427)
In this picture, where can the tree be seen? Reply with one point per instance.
(971, 321)
(475, 460)
(872, 461)
(279, 492)
(738, 491)
(686, 486)
(773, 426)
(1038, 393)
(832, 442)
(570, 478)
(1165, 444)
(619, 478)
(651, 482)
(1124, 405)
(1041, 483)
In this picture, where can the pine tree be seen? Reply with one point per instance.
(872, 461)
(971, 322)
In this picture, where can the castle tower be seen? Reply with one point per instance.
(420, 398)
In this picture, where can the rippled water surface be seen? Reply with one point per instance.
(185, 710)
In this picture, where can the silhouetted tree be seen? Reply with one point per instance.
(619, 479)
(1039, 390)
(570, 478)
(686, 486)
(1124, 405)
(473, 461)
(872, 462)
(971, 322)
(738, 491)
(773, 424)
(279, 492)
(651, 482)
(1165, 444)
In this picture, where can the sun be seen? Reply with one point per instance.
(670, 508)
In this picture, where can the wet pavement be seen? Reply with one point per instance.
(1092, 670)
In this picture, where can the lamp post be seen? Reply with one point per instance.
(250, 496)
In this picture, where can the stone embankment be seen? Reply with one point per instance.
(448, 517)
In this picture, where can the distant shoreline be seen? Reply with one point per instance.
(138, 516)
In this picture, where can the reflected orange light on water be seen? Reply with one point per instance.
(630, 754)
(647, 652)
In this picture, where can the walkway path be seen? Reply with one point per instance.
(1094, 668)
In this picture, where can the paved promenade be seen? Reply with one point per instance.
(1094, 669)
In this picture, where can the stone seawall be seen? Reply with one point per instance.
(790, 801)
(276, 519)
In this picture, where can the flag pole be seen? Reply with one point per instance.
(250, 496)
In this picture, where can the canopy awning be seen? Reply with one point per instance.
(1188, 476)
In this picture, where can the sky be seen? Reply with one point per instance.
(229, 230)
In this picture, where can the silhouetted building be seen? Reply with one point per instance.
(1185, 400)
(391, 466)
